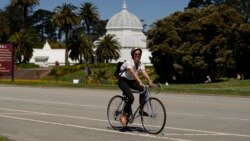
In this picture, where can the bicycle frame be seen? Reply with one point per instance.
(140, 105)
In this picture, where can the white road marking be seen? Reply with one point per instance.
(229, 118)
(209, 132)
(95, 129)
(103, 107)
(102, 120)
(55, 103)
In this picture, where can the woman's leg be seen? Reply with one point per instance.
(141, 89)
(134, 85)
(124, 86)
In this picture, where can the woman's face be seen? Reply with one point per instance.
(137, 55)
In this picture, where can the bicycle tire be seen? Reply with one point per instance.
(155, 122)
(114, 110)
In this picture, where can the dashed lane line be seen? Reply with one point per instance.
(102, 107)
(94, 129)
(102, 120)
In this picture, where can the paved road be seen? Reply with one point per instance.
(59, 114)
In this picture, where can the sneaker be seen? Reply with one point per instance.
(143, 113)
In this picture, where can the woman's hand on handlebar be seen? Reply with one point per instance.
(151, 84)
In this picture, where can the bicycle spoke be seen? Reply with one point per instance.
(114, 111)
(155, 122)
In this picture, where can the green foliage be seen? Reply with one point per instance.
(63, 70)
(200, 42)
(108, 48)
(90, 14)
(24, 41)
(41, 21)
(65, 18)
(4, 139)
(4, 27)
(81, 46)
(102, 73)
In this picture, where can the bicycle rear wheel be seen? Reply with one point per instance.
(155, 122)
(114, 111)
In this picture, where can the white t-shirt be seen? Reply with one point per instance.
(130, 64)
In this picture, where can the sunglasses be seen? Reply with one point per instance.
(137, 54)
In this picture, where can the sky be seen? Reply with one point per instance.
(148, 10)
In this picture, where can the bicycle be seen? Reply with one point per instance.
(154, 123)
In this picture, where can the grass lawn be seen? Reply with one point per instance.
(230, 87)
(102, 78)
(4, 139)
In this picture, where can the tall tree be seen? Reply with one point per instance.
(23, 42)
(4, 27)
(80, 45)
(108, 48)
(42, 22)
(242, 6)
(199, 42)
(89, 14)
(198, 3)
(13, 19)
(25, 5)
(98, 29)
(65, 18)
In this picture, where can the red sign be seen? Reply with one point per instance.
(6, 59)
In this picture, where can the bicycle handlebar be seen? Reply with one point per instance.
(157, 89)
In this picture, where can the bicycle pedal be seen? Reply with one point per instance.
(130, 119)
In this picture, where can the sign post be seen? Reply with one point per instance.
(7, 60)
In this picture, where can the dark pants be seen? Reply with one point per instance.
(126, 86)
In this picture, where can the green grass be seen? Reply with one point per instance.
(4, 139)
(229, 87)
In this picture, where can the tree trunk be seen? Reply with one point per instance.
(66, 50)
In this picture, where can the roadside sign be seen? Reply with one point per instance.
(6, 60)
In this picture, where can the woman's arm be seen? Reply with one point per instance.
(144, 72)
(133, 73)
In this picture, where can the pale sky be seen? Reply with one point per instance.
(148, 10)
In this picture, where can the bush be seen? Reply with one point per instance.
(63, 70)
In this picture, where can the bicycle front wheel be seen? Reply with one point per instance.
(155, 121)
(114, 111)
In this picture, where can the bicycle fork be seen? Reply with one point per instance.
(148, 103)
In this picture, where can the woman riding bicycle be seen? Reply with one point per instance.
(129, 80)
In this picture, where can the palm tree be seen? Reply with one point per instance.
(23, 43)
(108, 48)
(25, 5)
(89, 14)
(81, 46)
(65, 18)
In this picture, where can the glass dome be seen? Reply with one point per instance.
(124, 20)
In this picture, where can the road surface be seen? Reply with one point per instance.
(76, 114)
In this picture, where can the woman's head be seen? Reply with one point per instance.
(136, 52)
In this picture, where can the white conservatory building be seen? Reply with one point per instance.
(125, 25)
(128, 30)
